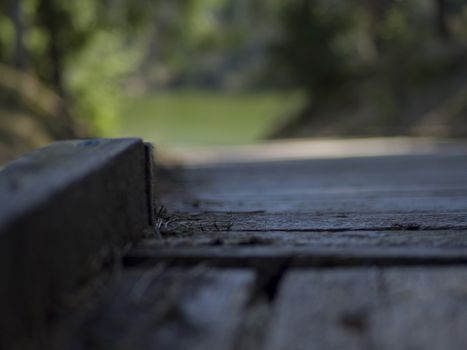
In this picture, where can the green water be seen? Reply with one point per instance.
(205, 118)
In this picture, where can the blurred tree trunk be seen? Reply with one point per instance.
(376, 10)
(50, 19)
(442, 27)
(19, 58)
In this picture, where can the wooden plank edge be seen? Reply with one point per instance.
(235, 257)
(65, 209)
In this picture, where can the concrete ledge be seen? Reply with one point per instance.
(61, 207)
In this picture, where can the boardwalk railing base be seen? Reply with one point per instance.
(63, 207)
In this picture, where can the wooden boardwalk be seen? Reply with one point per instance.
(338, 253)
(362, 246)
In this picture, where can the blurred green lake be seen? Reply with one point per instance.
(205, 117)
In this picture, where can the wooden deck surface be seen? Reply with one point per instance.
(352, 252)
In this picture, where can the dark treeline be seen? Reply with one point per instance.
(367, 67)
(376, 67)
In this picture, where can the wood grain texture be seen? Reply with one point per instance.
(342, 240)
(64, 209)
(351, 253)
(195, 308)
(369, 247)
(372, 185)
(260, 221)
(371, 309)
(345, 201)
(355, 253)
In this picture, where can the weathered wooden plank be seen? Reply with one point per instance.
(171, 309)
(261, 221)
(356, 239)
(421, 309)
(325, 203)
(64, 209)
(323, 310)
(372, 212)
(408, 171)
(235, 256)
(371, 309)
(374, 184)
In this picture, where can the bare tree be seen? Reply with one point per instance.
(16, 15)
(50, 19)
(377, 11)
(442, 26)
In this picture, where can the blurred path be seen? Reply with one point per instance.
(317, 149)
(304, 245)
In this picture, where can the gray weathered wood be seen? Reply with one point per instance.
(371, 309)
(64, 209)
(373, 213)
(383, 216)
(337, 174)
(371, 201)
(374, 184)
(323, 310)
(344, 239)
(194, 308)
(260, 221)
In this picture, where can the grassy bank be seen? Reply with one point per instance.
(205, 118)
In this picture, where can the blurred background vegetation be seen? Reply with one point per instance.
(230, 71)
